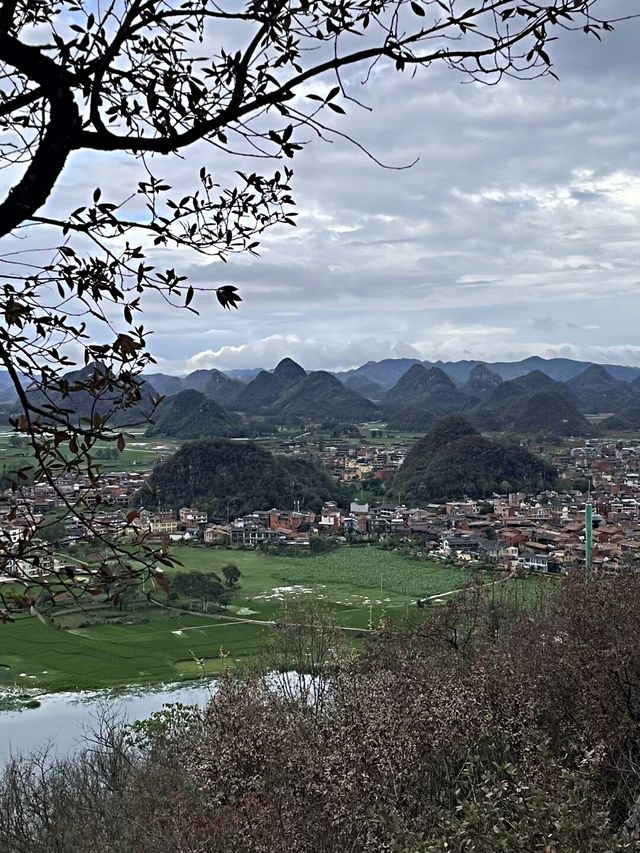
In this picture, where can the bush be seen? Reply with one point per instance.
(485, 726)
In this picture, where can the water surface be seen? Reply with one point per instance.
(63, 719)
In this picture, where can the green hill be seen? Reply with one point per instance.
(215, 385)
(552, 413)
(626, 420)
(504, 406)
(454, 461)
(365, 387)
(91, 390)
(410, 419)
(165, 384)
(597, 391)
(320, 396)
(236, 478)
(261, 393)
(190, 414)
(615, 424)
(481, 382)
(430, 389)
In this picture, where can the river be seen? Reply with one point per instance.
(63, 719)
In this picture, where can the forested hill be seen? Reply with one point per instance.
(190, 414)
(454, 461)
(222, 476)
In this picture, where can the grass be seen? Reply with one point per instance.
(150, 645)
(160, 649)
(154, 645)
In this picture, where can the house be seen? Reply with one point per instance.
(330, 517)
(162, 525)
(249, 534)
(608, 533)
(192, 517)
(512, 537)
(216, 534)
(289, 519)
(534, 561)
(451, 543)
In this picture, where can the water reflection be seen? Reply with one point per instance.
(63, 719)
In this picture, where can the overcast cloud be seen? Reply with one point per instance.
(516, 233)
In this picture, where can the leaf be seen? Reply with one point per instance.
(228, 296)
(189, 296)
(161, 581)
(121, 442)
(417, 8)
(96, 194)
(336, 108)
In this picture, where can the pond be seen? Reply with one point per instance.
(63, 719)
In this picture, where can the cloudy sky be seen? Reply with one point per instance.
(516, 233)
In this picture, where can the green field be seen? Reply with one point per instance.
(360, 585)
(140, 453)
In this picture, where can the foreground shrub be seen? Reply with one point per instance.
(484, 728)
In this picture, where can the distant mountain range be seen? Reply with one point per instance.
(378, 377)
(387, 372)
(535, 395)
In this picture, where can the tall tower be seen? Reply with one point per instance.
(588, 534)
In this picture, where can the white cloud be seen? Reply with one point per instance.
(517, 229)
(312, 354)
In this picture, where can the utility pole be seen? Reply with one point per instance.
(588, 533)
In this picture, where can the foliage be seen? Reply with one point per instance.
(18, 441)
(231, 574)
(454, 461)
(107, 453)
(478, 728)
(236, 478)
(409, 419)
(205, 586)
(322, 545)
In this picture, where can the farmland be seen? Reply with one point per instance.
(154, 644)
(140, 453)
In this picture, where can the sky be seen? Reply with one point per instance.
(516, 233)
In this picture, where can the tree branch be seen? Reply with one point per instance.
(59, 138)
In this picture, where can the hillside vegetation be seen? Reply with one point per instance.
(430, 389)
(235, 478)
(474, 731)
(320, 396)
(190, 414)
(454, 461)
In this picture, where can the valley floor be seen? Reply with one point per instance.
(87, 649)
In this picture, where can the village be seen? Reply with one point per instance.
(542, 532)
